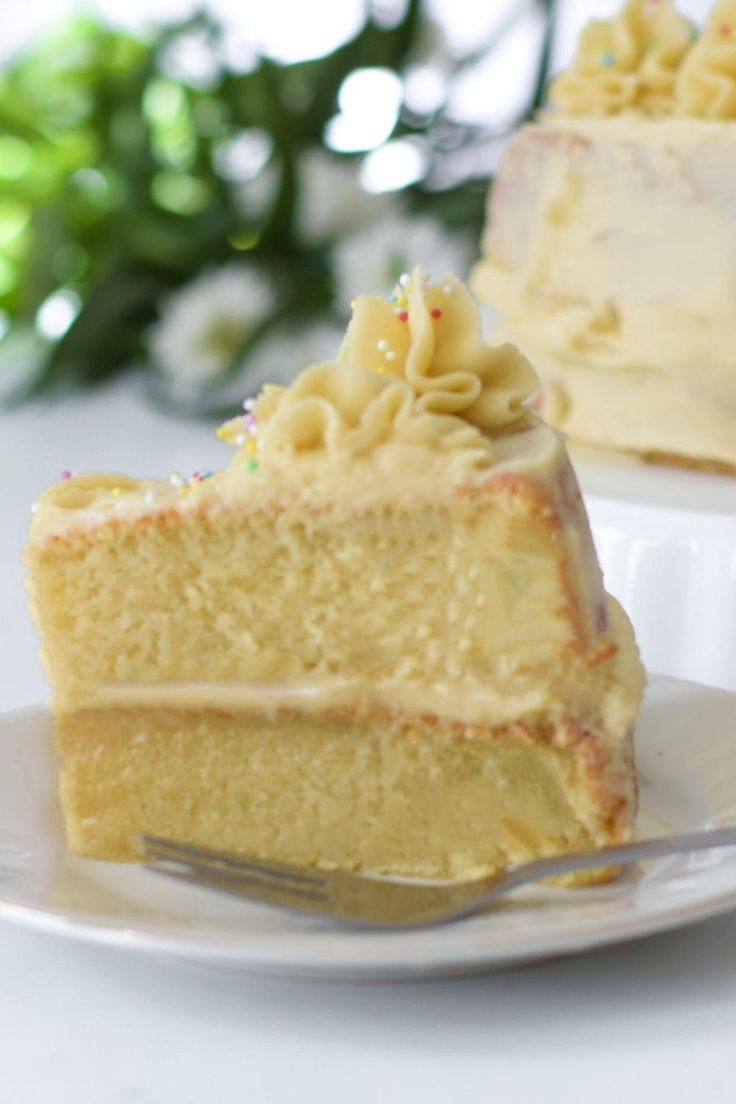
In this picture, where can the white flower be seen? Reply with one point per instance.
(373, 259)
(254, 198)
(205, 325)
(330, 200)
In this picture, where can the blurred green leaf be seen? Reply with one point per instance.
(114, 181)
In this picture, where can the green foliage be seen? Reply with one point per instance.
(115, 185)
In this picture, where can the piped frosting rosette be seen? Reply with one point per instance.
(629, 62)
(414, 369)
(706, 84)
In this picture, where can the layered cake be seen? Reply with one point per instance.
(377, 640)
(610, 249)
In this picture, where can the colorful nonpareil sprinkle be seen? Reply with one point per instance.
(726, 30)
(403, 316)
(607, 58)
(66, 474)
(252, 466)
(436, 312)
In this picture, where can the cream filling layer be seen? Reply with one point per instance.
(605, 696)
(467, 704)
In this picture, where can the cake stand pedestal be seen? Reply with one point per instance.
(666, 538)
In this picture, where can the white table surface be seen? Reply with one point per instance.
(652, 1021)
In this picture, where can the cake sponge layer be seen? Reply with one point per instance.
(383, 793)
(496, 591)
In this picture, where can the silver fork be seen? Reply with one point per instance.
(365, 901)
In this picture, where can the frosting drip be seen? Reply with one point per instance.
(413, 370)
(629, 62)
(706, 84)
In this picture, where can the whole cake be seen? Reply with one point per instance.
(377, 640)
(610, 252)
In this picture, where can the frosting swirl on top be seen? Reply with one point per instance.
(629, 62)
(706, 83)
(414, 369)
(440, 352)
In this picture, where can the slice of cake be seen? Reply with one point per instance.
(377, 640)
(610, 252)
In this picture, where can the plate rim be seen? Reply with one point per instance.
(338, 959)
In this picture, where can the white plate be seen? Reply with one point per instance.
(686, 748)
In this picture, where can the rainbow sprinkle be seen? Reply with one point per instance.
(252, 466)
(436, 312)
(607, 58)
(66, 474)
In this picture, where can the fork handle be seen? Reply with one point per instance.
(622, 855)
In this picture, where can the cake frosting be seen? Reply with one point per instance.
(416, 400)
(651, 60)
(706, 82)
(610, 251)
(628, 62)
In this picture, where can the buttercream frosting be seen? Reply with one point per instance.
(610, 258)
(628, 62)
(417, 401)
(706, 83)
(414, 369)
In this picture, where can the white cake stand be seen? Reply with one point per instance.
(666, 538)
